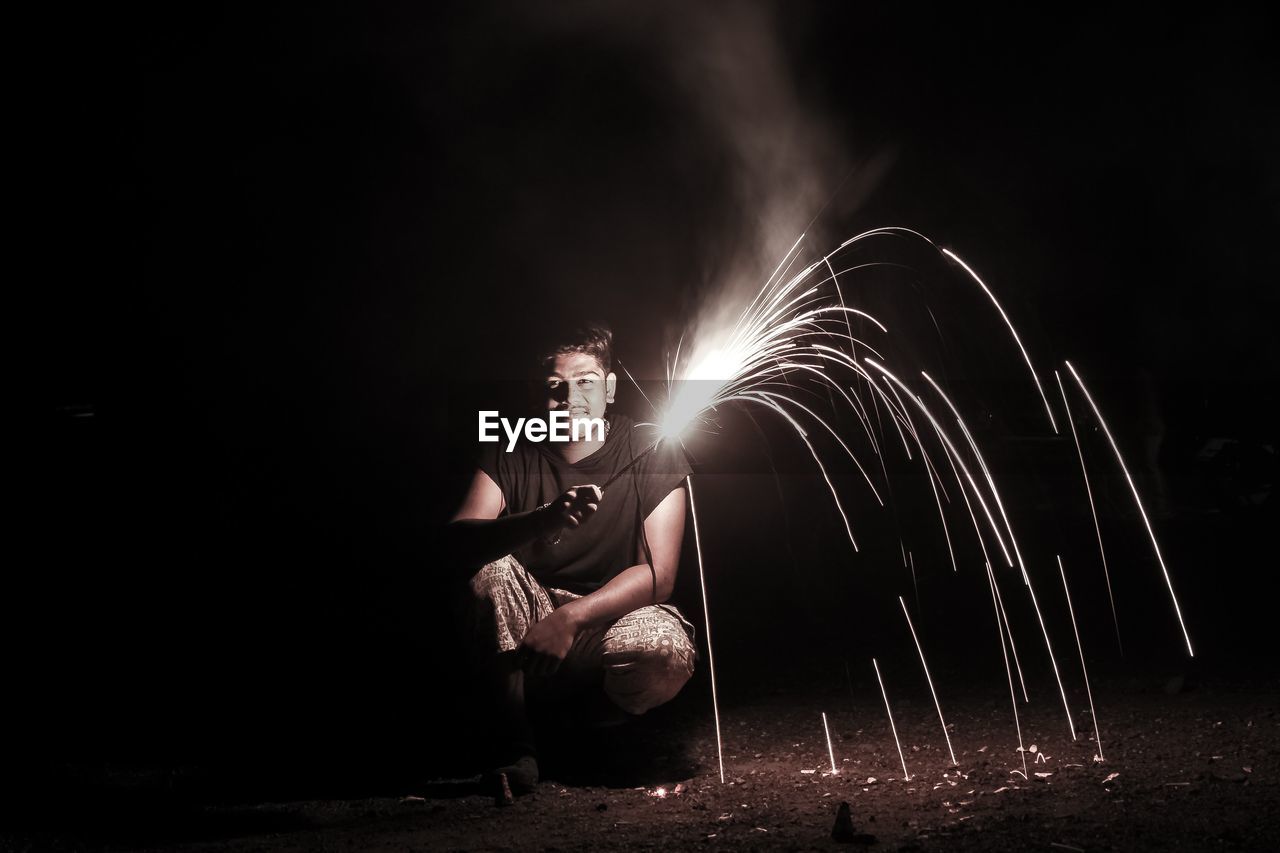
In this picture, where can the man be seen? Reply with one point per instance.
(569, 580)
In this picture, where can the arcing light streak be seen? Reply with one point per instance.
(1084, 669)
(796, 334)
(991, 579)
(1138, 500)
(929, 679)
(955, 454)
(1026, 578)
(894, 230)
(1092, 508)
(995, 587)
(830, 752)
(905, 773)
(1048, 409)
(706, 616)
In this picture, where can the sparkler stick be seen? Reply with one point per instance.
(830, 753)
(929, 679)
(1093, 509)
(1013, 700)
(892, 727)
(706, 616)
(1138, 500)
(625, 468)
(1096, 734)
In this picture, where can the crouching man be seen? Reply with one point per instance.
(565, 578)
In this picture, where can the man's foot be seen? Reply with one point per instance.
(521, 776)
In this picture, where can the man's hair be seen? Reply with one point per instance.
(594, 339)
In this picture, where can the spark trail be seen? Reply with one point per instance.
(1137, 499)
(1084, 669)
(929, 679)
(906, 774)
(797, 349)
(1093, 509)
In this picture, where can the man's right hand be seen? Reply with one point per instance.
(573, 508)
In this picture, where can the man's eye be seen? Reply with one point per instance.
(551, 386)
(585, 383)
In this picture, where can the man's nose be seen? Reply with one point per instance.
(560, 394)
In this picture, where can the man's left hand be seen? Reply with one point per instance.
(547, 643)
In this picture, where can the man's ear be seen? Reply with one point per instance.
(610, 386)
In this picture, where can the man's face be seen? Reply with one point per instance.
(578, 384)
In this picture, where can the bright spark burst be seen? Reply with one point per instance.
(797, 339)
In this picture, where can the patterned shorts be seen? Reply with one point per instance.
(642, 658)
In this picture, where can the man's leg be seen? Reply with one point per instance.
(506, 601)
(645, 657)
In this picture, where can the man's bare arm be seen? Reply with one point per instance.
(476, 535)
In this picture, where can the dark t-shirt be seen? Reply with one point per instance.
(587, 557)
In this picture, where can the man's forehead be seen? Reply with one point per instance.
(575, 364)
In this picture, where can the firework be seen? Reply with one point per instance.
(797, 336)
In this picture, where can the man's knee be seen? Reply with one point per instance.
(500, 609)
(493, 579)
(642, 680)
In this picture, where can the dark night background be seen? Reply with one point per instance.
(284, 253)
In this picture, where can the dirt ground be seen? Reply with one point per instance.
(1187, 767)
